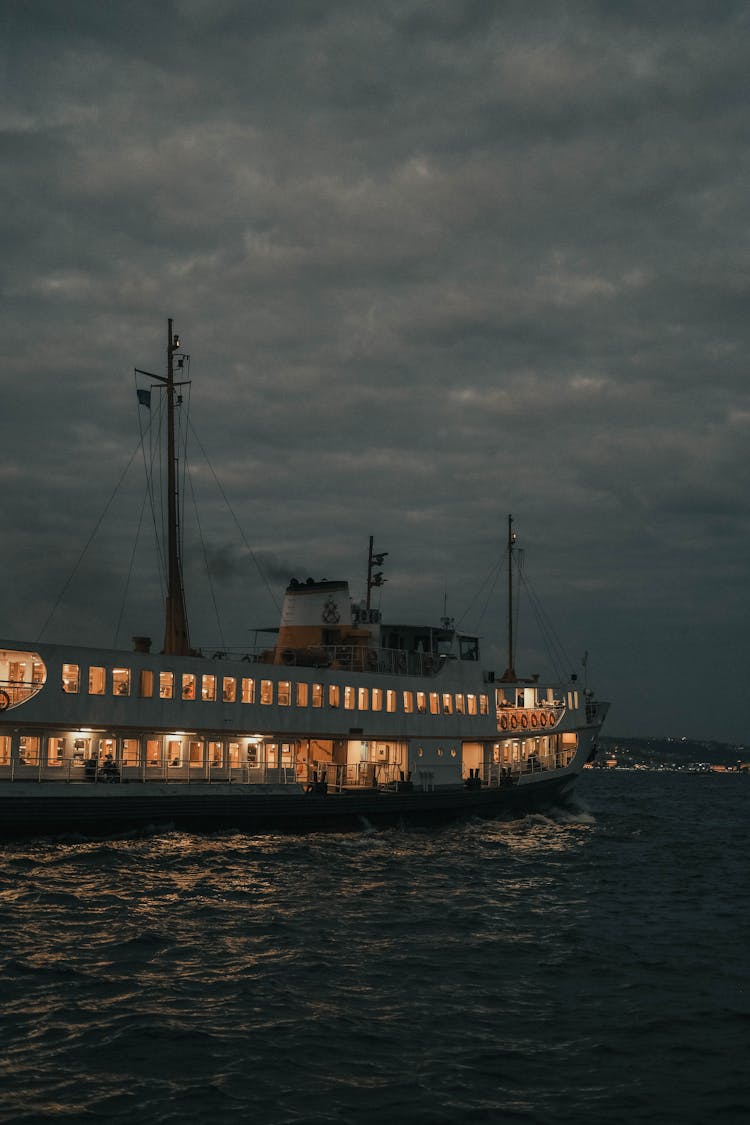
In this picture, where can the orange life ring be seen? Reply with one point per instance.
(504, 722)
(514, 721)
(551, 719)
(4, 701)
(534, 719)
(524, 721)
(543, 718)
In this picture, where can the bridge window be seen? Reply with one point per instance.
(363, 700)
(285, 693)
(434, 703)
(447, 703)
(208, 688)
(459, 705)
(349, 698)
(377, 699)
(334, 695)
(471, 704)
(248, 690)
(390, 699)
(188, 685)
(484, 705)
(408, 702)
(71, 677)
(266, 692)
(421, 702)
(317, 695)
(121, 681)
(229, 689)
(97, 681)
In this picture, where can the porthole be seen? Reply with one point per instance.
(440, 751)
(453, 751)
(420, 752)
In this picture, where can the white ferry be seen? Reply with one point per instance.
(344, 720)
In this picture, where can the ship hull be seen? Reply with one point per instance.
(51, 809)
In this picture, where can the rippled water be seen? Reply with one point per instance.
(588, 967)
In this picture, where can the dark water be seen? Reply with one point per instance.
(592, 967)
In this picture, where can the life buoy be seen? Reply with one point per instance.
(542, 719)
(534, 719)
(504, 722)
(4, 701)
(551, 719)
(514, 721)
(524, 721)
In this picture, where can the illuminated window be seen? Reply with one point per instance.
(234, 751)
(121, 681)
(362, 699)
(208, 688)
(471, 704)
(71, 678)
(252, 753)
(439, 751)
(302, 695)
(4, 749)
(459, 705)
(421, 702)
(195, 752)
(349, 698)
(334, 695)
(215, 754)
(377, 699)
(248, 690)
(153, 746)
(166, 685)
(390, 699)
(130, 748)
(28, 750)
(434, 703)
(146, 683)
(266, 692)
(447, 703)
(285, 693)
(317, 695)
(188, 685)
(55, 751)
(174, 751)
(408, 702)
(97, 681)
(229, 689)
(454, 752)
(420, 752)
(484, 705)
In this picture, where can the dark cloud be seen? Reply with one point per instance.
(435, 262)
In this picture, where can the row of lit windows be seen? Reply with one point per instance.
(209, 687)
(98, 753)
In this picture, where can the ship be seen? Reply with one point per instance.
(342, 721)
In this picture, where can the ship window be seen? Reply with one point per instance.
(285, 693)
(484, 705)
(408, 702)
(440, 751)
(71, 675)
(234, 755)
(215, 754)
(147, 683)
(153, 746)
(447, 703)
(390, 699)
(188, 685)
(420, 752)
(377, 699)
(97, 681)
(252, 754)
(229, 689)
(4, 749)
(454, 752)
(471, 704)
(460, 709)
(266, 692)
(121, 681)
(130, 749)
(28, 750)
(349, 698)
(208, 688)
(334, 695)
(55, 751)
(434, 703)
(174, 751)
(195, 750)
(421, 702)
(248, 690)
(166, 685)
(317, 695)
(363, 702)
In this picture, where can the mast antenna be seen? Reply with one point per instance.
(510, 673)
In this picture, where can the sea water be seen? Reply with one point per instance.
(586, 966)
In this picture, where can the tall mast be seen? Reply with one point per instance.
(510, 672)
(176, 639)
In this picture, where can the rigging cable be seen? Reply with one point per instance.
(130, 568)
(205, 555)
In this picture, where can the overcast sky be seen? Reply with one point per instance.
(434, 261)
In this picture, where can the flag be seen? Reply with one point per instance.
(144, 398)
